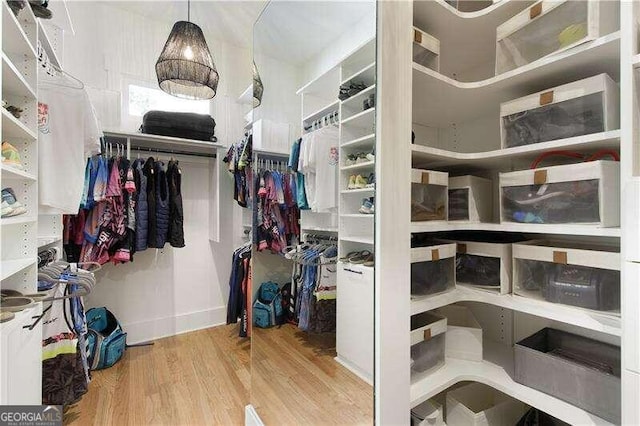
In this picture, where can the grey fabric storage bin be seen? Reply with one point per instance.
(581, 371)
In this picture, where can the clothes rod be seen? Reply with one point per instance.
(173, 152)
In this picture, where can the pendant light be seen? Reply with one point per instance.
(185, 68)
(258, 88)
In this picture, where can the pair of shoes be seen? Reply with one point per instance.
(369, 102)
(348, 90)
(364, 257)
(14, 110)
(10, 205)
(357, 182)
(371, 181)
(360, 157)
(368, 206)
(10, 156)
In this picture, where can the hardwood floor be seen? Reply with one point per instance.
(205, 377)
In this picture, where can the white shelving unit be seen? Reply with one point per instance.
(20, 347)
(455, 117)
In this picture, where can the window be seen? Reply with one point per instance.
(143, 99)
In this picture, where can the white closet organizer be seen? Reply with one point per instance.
(319, 97)
(456, 120)
(20, 360)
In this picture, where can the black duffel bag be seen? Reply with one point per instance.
(187, 125)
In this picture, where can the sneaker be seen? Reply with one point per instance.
(40, 9)
(367, 206)
(360, 182)
(11, 206)
(10, 156)
(371, 180)
(371, 156)
(351, 160)
(352, 182)
(362, 158)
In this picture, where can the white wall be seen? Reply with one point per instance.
(168, 291)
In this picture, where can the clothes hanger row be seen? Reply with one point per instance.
(272, 165)
(332, 118)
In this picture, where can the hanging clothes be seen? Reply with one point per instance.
(239, 158)
(68, 133)
(176, 213)
(240, 289)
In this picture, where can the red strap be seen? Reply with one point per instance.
(603, 153)
(559, 153)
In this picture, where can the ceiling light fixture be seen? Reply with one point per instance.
(185, 68)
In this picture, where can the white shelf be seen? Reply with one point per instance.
(331, 107)
(601, 322)
(367, 165)
(496, 370)
(365, 141)
(14, 40)
(351, 101)
(635, 61)
(14, 128)
(361, 240)
(439, 101)
(364, 119)
(17, 220)
(318, 229)
(47, 45)
(45, 241)
(366, 75)
(532, 228)
(12, 267)
(13, 83)
(358, 216)
(9, 172)
(425, 157)
(358, 191)
(327, 82)
(178, 145)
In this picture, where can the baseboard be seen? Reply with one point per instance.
(251, 417)
(355, 370)
(157, 328)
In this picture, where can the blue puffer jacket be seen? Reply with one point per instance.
(162, 204)
(142, 207)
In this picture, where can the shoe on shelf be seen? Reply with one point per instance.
(351, 160)
(14, 110)
(352, 182)
(367, 206)
(371, 156)
(10, 156)
(360, 182)
(40, 9)
(371, 180)
(360, 257)
(10, 205)
(362, 158)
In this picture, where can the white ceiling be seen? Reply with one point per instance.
(230, 21)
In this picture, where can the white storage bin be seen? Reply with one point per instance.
(427, 341)
(571, 273)
(429, 197)
(484, 265)
(433, 269)
(271, 136)
(470, 199)
(584, 193)
(477, 404)
(551, 26)
(464, 334)
(429, 413)
(426, 49)
(586, 106)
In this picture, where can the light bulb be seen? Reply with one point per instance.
(188, 53)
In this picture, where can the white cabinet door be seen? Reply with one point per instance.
(354, 316)
(21, 360)
(631, 316)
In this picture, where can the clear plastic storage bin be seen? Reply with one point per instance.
(433, 269)
(583, 193)
(551, 26)
(587, 276)
(477, 404)
(427, 341)
(426, 49)
(429, 196)
(582, 371)
(470, 199)
(579, 108)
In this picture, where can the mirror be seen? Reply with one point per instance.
(312, 348)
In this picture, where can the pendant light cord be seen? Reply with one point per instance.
(189, 10)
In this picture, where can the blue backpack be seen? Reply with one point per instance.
(106, 341)
(267, 309)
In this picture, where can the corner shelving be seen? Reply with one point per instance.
(533, 228)
(496, 370)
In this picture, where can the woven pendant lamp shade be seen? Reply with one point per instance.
(185, 68)
(258, 88)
